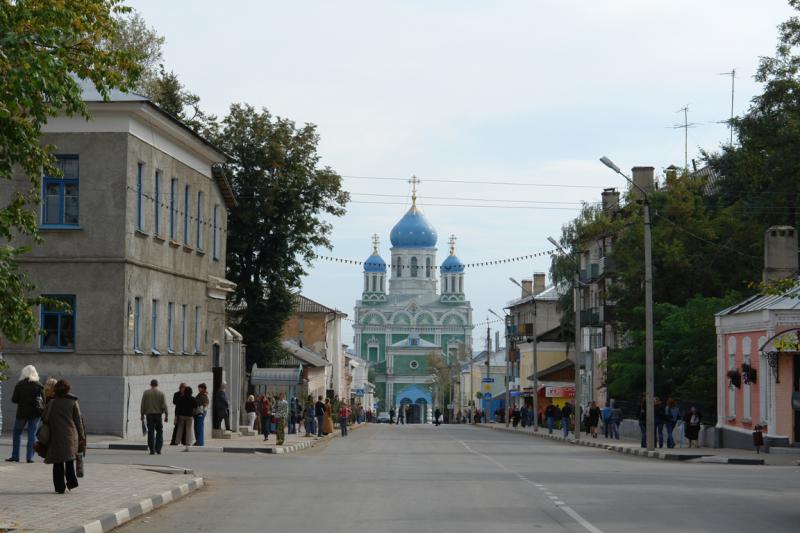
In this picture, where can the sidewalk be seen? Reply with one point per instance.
(236, 444)
(633, 447)
(107, 497)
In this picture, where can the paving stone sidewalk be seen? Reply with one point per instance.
(109, 495)
(632, 447)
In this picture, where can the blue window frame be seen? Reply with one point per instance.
(58, 325)
(157, 203)
(139, 196)
(173, 208)
(137, 325)
(170, 317)
(60, 196)
(199, 221)
(214, 229)
(154, 329)
(186, 208)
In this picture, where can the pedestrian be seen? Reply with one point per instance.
(200, 410)
(691, 424)
(643, 422)
(659, 415)
(319, 415)
(437, 416)
(280, 410)
(344, 413)
(175, 397)
(250, 409)
(293, 410)
(309, 416)
(605, 415)
(594, 418)
(409, 415)
(49, 390)
(152, 408)
(67, 436)
(184, 412)
(29, 397)
(515, 416)
(616, 420)
(327, 425)
(391, 415)
(221, 408)
(550, 416)
(566, 415)
(266, 416)
(672, 414)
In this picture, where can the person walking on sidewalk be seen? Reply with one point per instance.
(67, 436)
(309, 417)
(152, 408)
(691, 424)
(28, 395)
(643, 422)
(319, 415)
(437, 416)
(391, 415)
(550, 416)
(605, 415)
(616, 420)
(327, 423)
(566, 417)
(280, 411)
(266, 416)
(344, 414)
(672, 415)
(200, 410)
(222, 407)
(594, 418)
(184, 412)
(175, 397)
(250, 409)
(660, 417)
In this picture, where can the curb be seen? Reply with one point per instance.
(626, 450)
(109, 521)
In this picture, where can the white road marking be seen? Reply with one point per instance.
(561, 504)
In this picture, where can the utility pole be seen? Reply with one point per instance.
(577, 298)
(509, 371)
(488, 368)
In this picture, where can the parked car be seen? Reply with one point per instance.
(383, 418)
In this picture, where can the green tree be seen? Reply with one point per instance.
(45, 48)
(285, 202)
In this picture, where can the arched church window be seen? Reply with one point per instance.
(444, 283)
(427, 267)
(382, 289)
(366, 283)
(399, 267)
(414, 267)
(374, 283)
(461, 284)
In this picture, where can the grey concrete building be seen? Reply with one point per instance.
(134, 240)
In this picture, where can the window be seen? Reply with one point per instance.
(170, 317)
(137, 325)
(461, 284)
(374, 283)
(173, 208)
(199, 235)
(444, 280)
(139, 199)
(60, 194)
(214, 237)
(58, 324)
(382, 289)
(157, 203)
(183, 328)
(427, 267)
(414, 267)
(197, 329)
(186, 215)
(154, 330)
(399, 267)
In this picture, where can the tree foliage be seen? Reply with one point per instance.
(285, 202)
(44, 48)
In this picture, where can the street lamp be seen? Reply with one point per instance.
(576, 303)
(508, 363)
(535, 355)
(648, 302)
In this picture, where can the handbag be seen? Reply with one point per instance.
(79, 465)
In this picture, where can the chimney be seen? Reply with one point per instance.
(644, 177)
(780, 253)
(538, 282)
(610, 201)
(527, 287)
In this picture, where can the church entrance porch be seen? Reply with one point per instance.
(415, 402)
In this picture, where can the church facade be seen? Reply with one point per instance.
(408, 311)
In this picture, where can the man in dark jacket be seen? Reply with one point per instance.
(319, 414)
(222, 408)
(175, 398)
(30, 404)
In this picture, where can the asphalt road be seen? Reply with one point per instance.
(465, 479)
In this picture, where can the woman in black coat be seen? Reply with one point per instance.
(691, 425)
(67, 436)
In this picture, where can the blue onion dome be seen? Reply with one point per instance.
(452, 265)
(375, 263)
(413, 231)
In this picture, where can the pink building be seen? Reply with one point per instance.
(758, 355)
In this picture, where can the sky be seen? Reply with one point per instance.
(525, 93)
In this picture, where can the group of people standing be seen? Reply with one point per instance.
(52, 418)
(666, 417)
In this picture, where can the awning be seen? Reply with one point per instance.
(275, 376)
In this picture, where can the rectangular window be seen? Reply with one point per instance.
(199, 221)
(183, 328)
(214, 229)
(157, 203)
(173, 208)
(170, 317)
(139, 199)
(58, 324)
(154, 331)
(186, 215)
(197, 329)
(137, 325)
(60, 194)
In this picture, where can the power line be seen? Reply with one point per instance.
(478, 182)
(466, 205)
(461, 198)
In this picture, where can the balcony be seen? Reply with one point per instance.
(590, 274)
(608, 266)
(590, 317)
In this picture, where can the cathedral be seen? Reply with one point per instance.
(402, 319)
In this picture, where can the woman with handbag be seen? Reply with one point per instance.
(30, 406)
(67, 436)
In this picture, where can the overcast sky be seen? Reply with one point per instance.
(530, 92)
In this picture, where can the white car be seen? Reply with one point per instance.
(384, 418)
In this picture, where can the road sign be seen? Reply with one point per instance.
(488, 387)
(359, 392)
(487, 380)
(487, 395)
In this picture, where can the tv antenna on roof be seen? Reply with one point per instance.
(732, 74)
(685, 126)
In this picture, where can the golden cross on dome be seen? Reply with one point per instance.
(375, 242)
(413, 181)
(452, 245)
